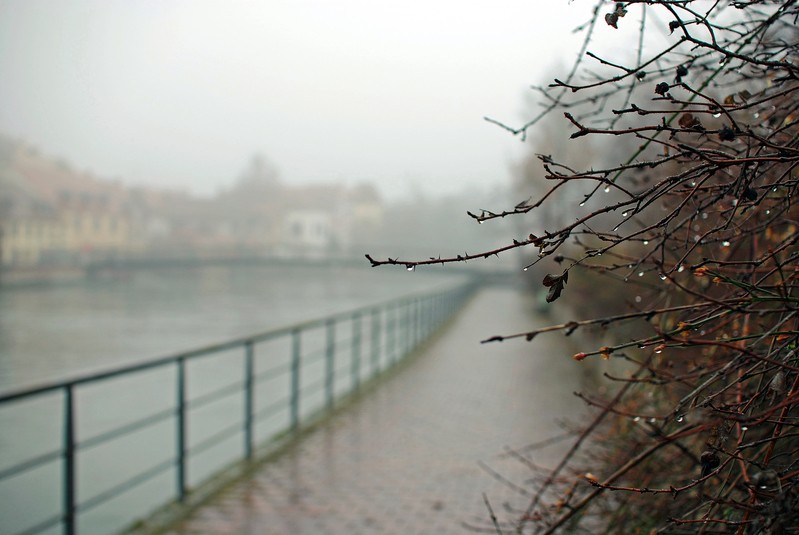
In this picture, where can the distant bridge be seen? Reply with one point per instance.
(492, 274)
(118, 266)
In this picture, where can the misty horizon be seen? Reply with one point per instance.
(182, 95)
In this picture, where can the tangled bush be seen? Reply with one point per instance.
(697, 227)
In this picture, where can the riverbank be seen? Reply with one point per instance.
(44, 275)
(40, 276)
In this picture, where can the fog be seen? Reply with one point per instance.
(199, 180)
(183, 93)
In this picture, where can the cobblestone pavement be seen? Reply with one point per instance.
(410, 456)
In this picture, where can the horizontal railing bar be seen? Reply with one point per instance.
(213, 348)
(219, 393)
(342, 349)
(43, 525)
(126, 429)
(318, 385)
(216, 438)
(345, 343)
(272, 408)
(109, 374)
(342, 372)
(125, 486)
(312, 357)
(31, 463)
(271, 373)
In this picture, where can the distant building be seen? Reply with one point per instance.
(307, 233)
(329, 219)
(52, 215)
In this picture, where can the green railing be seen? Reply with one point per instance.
(115, 436)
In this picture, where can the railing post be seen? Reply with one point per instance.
(414, 322)
(424, 325)
(180, 430)
(434, 310)
(249, 397)
(415, 337)
(69, 462)
(424, 303)
(330, 362)
(391, 334)
(356, 351)
(295, 380)
(431, 303)
(430, 315)
(423, 322)
(406, 328)
(375, 338)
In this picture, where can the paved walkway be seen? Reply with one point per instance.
(407, 458)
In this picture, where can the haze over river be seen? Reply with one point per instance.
(52, 332)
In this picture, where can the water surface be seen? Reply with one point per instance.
(52, 332)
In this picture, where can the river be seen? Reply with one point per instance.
(51, 332)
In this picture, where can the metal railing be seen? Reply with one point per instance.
(272, 382)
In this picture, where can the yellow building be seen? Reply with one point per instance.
(52, 215)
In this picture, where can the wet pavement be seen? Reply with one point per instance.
(411, 456)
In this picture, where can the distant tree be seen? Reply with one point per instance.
(693, 233)
(259, 173)
(257, 191)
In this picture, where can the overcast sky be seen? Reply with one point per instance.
(183, 93)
